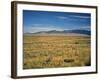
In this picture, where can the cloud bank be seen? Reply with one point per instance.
(39, 27)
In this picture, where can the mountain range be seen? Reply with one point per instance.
(85, 32)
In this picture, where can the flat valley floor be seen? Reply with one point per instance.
(56, 51)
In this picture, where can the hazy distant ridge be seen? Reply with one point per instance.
(86, 32)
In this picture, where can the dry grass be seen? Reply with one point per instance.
(56, 51)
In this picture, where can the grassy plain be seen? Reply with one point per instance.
(56, 51)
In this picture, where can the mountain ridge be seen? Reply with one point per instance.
(86, 32)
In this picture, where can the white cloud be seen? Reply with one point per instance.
(73, 16)
(84, 17)
(81, 28)
(62, 17)
(40, 27)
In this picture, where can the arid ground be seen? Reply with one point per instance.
(56, 51)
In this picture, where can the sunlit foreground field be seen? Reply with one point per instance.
(56, 51)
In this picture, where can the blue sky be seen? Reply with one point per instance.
(35, 21)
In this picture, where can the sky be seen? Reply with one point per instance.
(36, 21)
